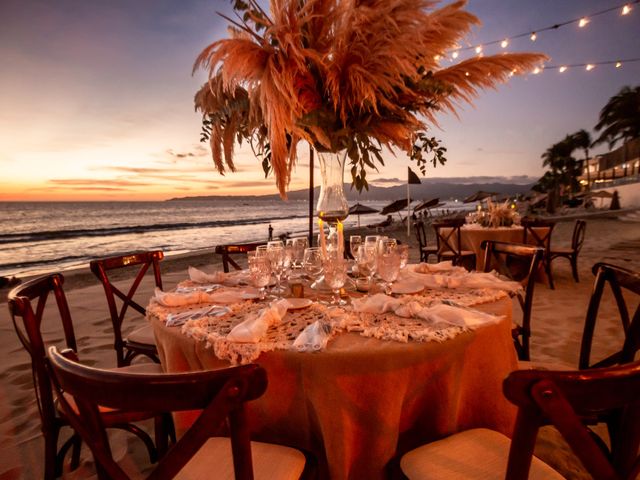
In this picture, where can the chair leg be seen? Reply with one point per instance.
(574, 267)
(547, 266)
(52, 469)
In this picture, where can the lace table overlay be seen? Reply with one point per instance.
(330, 321)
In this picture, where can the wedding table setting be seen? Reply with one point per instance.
(354, 382)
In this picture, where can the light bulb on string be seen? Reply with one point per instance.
(589, 67)
(466, 74)
(504, 43)
(455, 54)
(626, 9)
(533, 36)
(479, 49)
(563, 68)
(618, 64)
(583, 22)
(536, 70)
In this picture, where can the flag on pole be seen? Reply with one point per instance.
(412, 179)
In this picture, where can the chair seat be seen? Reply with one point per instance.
(561, 251)
(142, 336)
(552, 366)
(473, 454)
(463, 253)
(270, 462)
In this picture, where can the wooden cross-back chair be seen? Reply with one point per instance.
(520, 263)
(221, 395)
(621, 282)
(27, 322)
(449, 243)
(538, 232)
(141, 340)
(234, 249)
(577, 239)
(421, 235)
(565, 399)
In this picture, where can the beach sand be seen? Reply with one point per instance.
(557, 322)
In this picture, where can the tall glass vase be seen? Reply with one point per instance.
(332, 206)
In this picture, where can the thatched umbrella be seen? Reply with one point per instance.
(396, 206)
(359, 209)
(479, 195)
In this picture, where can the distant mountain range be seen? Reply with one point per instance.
(444, 189)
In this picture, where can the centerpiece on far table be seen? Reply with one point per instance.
(500, 215)
(347, 76)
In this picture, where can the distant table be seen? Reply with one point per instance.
(363, 402)
(472, 236)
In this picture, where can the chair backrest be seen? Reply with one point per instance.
(520, 263)
(448, 235)
(234, 249)
(102, 268)
(577, 239)
(538, 232)
(421, 235)
(566, 400)
(220, 394)
(621, 281)
(27, 322)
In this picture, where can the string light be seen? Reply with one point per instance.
(590, 66)
(537, 70)
(455, 54)
(583, 21)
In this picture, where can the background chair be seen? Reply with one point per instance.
(221, 394)
(234, 249)
(577, 239)
(449, 243)
(538, 232)
(520, 263)
(29, 331)
(563, 399)
(622, 282)
(141, 340)
(421, 235)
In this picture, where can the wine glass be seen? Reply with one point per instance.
(367, 260)
(335, 275)
(260, 271)
(388, 268)
(354, 242)
(312, 264)
(403, 251)
(275, 253)
(300, 244)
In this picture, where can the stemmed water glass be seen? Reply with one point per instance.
(403, 251)
(388, 266)
(354, 243)
(312, 264)
(260, 271)
(335, 275)
(275, 253)
(367, 262)
(300, 244)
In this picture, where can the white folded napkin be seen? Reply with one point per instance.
(461, 317)
(179, 299)
(175, 299)
(313, 338)
(378, 303)
(198, 276)
(254, 328)
(437, 267)
(439, 313)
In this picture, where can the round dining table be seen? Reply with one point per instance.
(356, 406)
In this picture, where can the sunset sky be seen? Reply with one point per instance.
(96, 98)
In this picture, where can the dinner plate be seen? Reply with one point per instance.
(406, 288)
(298, 303)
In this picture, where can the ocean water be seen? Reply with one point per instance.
(37, 237)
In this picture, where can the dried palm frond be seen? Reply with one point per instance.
(354, 74)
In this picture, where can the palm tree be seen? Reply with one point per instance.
(620, 117)
(582, 139)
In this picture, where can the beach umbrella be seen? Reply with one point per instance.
(479, 195)
(359, 209)
(432, 202)
(396, 206)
